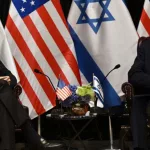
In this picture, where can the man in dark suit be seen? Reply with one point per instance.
(139, 77)
(12, 113)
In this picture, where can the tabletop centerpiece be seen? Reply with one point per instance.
(80, 99)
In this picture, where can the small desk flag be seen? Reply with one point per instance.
(62, 91)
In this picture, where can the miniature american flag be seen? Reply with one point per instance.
(63, 91)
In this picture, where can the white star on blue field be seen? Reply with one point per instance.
(95, 23)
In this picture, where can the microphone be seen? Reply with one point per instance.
(116, 67)
(38, 71)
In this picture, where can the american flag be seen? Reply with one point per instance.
(63, 91)
(39, 38)
(144, 24)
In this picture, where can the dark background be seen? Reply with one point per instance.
(52, 129)
(134, 6)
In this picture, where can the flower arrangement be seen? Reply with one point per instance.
(86, 90)
(80, 94)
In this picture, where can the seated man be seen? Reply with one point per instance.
(12, 113)
(139, 77)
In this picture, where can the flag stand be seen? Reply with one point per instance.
(61, 110)
(110, 135)
(59, 107)
(95, 109)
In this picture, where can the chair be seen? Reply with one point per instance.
(125, 132)
(17, 91)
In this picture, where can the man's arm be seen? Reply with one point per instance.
(5, 72)
(136, 76)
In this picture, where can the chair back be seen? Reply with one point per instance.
(127, 88)
(17, 90)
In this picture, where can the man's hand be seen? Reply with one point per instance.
(6, 78)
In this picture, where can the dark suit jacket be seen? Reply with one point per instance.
(139, 74)
(5, 72)
(8, 98)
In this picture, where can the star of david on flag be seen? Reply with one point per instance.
(104, 35)
(95, 21)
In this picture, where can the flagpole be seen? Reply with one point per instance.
(60, 103)
(110, 134)
(58, 100)
(110, 125)
(39, 125)
(95, 96)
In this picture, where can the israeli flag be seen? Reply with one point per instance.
(104, 35)
(98, 91)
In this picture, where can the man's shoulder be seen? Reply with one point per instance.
(143, 41)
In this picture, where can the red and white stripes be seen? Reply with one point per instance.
(144, 24)
(41, 40)
(63, 93)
